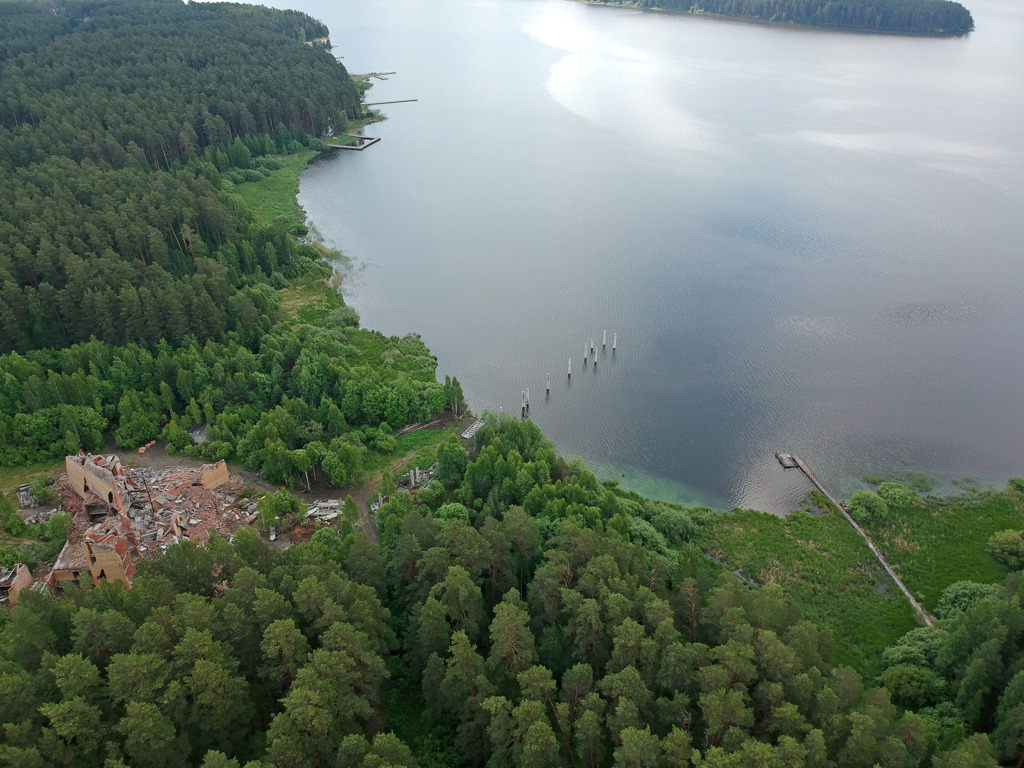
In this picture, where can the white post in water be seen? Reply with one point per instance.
(615, 340)
(586, 351)
(570, 367)
(527, 397)
(592, 347)
(549, 383)
(604, 339)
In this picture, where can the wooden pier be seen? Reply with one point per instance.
(881, 558)
(473, 429)
(396, 101)
(365, 141)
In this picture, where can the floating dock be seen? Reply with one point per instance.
(786, 460)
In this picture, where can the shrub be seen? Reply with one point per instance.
(1007, 547)
(642, 532)
(453, 511)
(961, 596)
(897, 495)
(58, 527)
(911, 686)
(866, 506)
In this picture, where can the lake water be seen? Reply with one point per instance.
(806, 241)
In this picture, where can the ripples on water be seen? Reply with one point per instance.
(806, 241)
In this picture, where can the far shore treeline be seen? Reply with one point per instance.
(940, 18)
(514, 612)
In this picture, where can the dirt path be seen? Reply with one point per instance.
(369, 489)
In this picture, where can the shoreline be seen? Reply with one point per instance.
(793, 25)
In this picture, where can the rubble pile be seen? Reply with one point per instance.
(39, 516)
(25, 498)
(324, 511)
(122, 514)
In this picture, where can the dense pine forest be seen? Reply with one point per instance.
(117, 123)
(515, 612)
(521, 614)
(942, 18)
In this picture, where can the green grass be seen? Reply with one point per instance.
(12, 477)
(826, 568)
(275, 196)
(309, 300)
(422, 445)
(941, 541)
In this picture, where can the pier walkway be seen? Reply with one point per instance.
(365, 141)
(881, 558)
(396, 101)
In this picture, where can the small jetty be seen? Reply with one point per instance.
(786, 460)
(842, 508)
(396, 101)
(473, 429)
(378, 75)
(363, 143)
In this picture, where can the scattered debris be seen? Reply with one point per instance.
(123, 514)
(40, 516)
(25, 498)
(417, 479)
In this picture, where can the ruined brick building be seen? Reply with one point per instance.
(123, 514)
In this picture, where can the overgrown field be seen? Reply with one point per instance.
(825, 567)
(935, 542)
(422, 445)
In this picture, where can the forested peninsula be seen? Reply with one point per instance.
(938, 18)
(156, 279)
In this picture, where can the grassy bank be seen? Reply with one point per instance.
(825, 567)
(310, 299)
(276, 196)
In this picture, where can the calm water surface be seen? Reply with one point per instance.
(805, 241)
